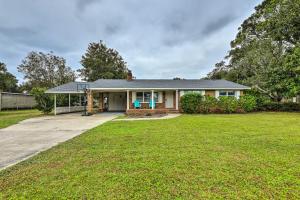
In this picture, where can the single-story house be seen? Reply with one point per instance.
(121, 94)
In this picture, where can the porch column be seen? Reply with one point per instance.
(80, 100)
(127, 99)
(54, 104)
(152, 99)
(69, 102)
(89, 101)
(101, 102)
(176, 100)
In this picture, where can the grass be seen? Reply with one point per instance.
(242, 156)
(122, 117)
(11, 117)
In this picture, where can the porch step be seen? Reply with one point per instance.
(173, 111)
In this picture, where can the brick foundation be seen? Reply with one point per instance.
(145, 112)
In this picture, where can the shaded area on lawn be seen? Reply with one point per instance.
(11, 117)
(192, 156)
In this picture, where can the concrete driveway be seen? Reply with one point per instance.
(29, 137)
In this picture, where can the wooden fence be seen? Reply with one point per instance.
(16, 101)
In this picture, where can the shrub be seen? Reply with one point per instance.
(208, 105)
(195, 103)
(228, 104)
(191, 102)
(247, 103)
(44, 101)
(283, 107)
(261, 99)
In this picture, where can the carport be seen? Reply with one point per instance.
(69, 98)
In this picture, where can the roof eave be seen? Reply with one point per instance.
(64, 92)
(170, 88)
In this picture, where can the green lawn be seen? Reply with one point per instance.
(8, 118)
(241, 156)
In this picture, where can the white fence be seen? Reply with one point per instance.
(67, 109)
(16, 101)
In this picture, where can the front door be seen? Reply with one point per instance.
(117, 101)
(169, 99)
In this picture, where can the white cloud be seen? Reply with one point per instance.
(158, 39)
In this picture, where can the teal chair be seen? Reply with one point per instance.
(151, 104)
(137, 104)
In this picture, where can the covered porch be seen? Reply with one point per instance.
(124, 100)
(68, 102)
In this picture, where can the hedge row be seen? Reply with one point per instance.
(196, 103)
(282, 107)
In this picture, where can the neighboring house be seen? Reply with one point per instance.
(120, 95)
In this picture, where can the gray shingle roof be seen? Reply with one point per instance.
(72, 87)
(149, 84)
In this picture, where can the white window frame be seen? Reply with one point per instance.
(236, 94)
(227, 93)
(143, 97)
(183, 92)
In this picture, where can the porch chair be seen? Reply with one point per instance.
(137, 104)
(151, 104)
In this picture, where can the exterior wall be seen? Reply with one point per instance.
(145, 106)
(161, 105)
(210, 93)
(100, 99)
(90, 102)
(117, 101)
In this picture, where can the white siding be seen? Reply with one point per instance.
(237, 94)
(160, 97)
(217, 93)
(133, 96)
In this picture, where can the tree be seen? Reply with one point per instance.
(8, 82)
(101, 62)
(259, 53)
(292, 69)
(45, 70)
(219, 71)
(44, 101)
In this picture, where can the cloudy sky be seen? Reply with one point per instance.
(157, 38)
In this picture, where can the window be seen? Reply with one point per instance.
(222, 93)
(156, 96)
(231, 93)
(227, 93)
(139, 96)
(192, 91)
(146, 96)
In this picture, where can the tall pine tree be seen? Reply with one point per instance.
(101, 62)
